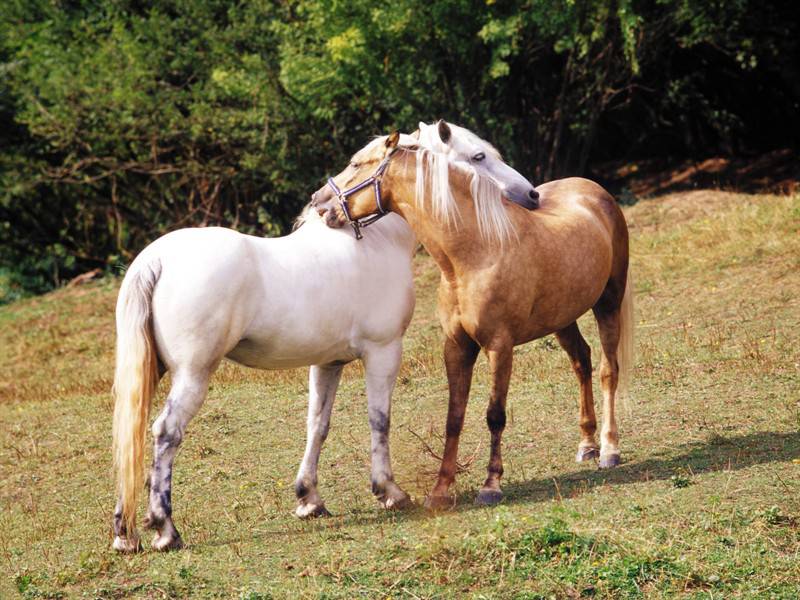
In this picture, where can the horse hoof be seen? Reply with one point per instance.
(165, 543)
(126, 545)
(400, 503)
(609, 461)
(587, 453)
(440, 502)
(488, 497)
(311, 511)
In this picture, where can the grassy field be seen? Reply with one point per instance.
(705, 505)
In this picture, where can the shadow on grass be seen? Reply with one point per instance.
(717, 453)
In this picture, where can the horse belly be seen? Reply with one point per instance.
(290, 351)
(569, 292)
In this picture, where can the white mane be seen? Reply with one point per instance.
(434, 159)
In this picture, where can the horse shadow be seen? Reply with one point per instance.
(714, 454)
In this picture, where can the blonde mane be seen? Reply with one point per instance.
(433, 163)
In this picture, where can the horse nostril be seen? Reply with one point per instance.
(533, 194)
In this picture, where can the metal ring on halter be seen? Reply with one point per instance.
(375, 181)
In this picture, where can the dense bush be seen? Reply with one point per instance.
(120, 120)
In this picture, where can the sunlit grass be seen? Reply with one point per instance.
(704, 505)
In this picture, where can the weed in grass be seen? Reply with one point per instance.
(680, 481)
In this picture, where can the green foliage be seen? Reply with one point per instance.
(680, 481)
(122, 120)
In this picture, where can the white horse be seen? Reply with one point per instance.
(318, 296)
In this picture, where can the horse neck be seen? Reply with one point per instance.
(456, 247)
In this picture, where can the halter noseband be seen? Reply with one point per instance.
(375, 181)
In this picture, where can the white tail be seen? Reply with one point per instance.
(625, 348)
(135, 380)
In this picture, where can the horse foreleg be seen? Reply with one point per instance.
(322, 384)
(382, 364)
(459, 359)
(500, 361)
(579, 353)
(185, 398)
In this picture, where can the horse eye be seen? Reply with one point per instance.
(479, 157)
(354, 164)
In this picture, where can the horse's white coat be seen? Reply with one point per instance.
(312, 297)
(315, 297)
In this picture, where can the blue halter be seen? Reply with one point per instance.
(375, 181)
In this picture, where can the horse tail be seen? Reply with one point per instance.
(625, 348)
(135, 380)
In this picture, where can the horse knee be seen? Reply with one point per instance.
(496, 418)
(582, 361)
(609, 371)
(379, 421)
(454, 426)
(582, 369)
(166, 431)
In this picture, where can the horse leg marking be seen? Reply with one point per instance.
(185, 398)
(123, 542)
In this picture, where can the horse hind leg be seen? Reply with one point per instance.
(579, 353)
(185, 398)
(323, 382)
(608, 323)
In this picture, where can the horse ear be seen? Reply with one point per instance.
(393, 139)
(444, 130)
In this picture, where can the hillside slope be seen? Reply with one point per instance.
(705, 502)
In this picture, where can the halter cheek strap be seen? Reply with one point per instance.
(375, 181)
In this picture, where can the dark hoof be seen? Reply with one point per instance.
(587, 453)
(488, 497)
(609, 461)
(305, 511)
(167, 544)
(440, 502)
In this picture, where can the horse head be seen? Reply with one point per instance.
(466, 150)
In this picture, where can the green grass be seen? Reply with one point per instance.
(706, 504)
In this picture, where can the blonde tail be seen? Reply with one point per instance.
(135, 380)
(625, 348)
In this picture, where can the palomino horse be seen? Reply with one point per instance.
(316, 297)
(508, 276)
